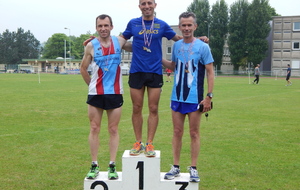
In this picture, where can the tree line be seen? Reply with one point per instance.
(15, 46)
(245, 26)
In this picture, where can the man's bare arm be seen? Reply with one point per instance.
(168, 64)
(86, 60)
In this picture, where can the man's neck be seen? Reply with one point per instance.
(189, 39)
(105, 41)
(148, 17)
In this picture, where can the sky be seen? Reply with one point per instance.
(45, 18)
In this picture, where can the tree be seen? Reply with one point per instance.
(55, 46)
(272, 11)
(258, 29)
(238, 29)
(78, 48)
(201, 9)
(15, 46)
(219, 29)
(7, 54)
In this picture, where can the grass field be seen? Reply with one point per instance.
(251, 139)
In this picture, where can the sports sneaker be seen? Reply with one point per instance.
(194, 177)
(149, 151)
(174, 172)
(94, 171)
(137, 149)
(112, 174)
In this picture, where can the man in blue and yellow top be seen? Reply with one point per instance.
(103, 55)
(146, 70)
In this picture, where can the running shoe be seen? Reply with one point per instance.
(194, 177)
(112, 174)
(137, 149)
(174, 172)
(94, 171)
(149, 151)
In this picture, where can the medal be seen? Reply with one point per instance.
(147, 38)
(189, 52)
(146, 49)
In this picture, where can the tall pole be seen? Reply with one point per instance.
(69, 43)
(207, 28)
(249, 72)
(65, 57)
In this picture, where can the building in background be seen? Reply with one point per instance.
(285, 47)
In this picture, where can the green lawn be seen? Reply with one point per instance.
(251, 139)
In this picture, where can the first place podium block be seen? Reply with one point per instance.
(140, 173)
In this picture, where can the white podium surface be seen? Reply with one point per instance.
(140, 173)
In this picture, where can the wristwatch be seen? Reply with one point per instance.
(209, 95)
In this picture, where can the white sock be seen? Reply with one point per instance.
(112, 162)
(95, 162)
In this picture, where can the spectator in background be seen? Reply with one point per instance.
(288, 75)
(256, 73)
(168, 71)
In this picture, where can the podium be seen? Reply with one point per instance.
(140, 173)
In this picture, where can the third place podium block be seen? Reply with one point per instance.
(140, 173)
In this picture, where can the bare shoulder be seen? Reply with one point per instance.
(121, 40)
(89, 50)
(89, 46)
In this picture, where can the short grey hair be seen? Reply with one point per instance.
(187, 15)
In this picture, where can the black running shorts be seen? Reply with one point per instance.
(106, 102)
(138, 80)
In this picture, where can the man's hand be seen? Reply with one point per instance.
(204, 39)
(88, 40)
(206, 104)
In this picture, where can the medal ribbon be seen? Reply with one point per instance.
(108, 53)
(189, 52)
(148, 38)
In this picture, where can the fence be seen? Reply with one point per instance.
(274, 73)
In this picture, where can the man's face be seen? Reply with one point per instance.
(147, 7)
(104, 27)
(187, 27)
